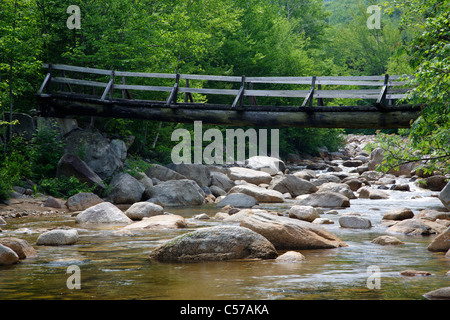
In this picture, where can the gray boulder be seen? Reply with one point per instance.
(7, 256)
(162, 173)
(82, 201)
(441, 242)
(125, 189)
(260, 194)
(398, 214)
(354, 222)
(373, 194)
(291, 234)
(444, 196)
(58, 237)
(215, 244)
(271, 165)
(325, 199)
(192, 171)
(291, 184)
(158, 222)
(238, 200)
(70, 165)
(140, 210)
(222, 181)
(95, 150)
(438, 294)
(177, 193)
(341, 188)
(251, 176)
(306, 213)
(102, 213)
(21, 247)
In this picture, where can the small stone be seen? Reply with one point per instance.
(58, 237)
(414, 273)
(291, 257)
(387, 240)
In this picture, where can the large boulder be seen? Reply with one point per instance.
(291, 234)
(221, 180)
(125, 189)
(249, 175)
(341, 188)
(21, 247)
(238, 200)
(140, 210)
(433, 215)
(271, 165)
(192, 171)
(82, 201)
(416, 227)
(260, 194)
(215, 244)
(444, 196)
(354, 222)
(434, 183)
(398, 214)
(102, 213)
(306, 213)
(387, 241)
(438, 294)
(177, 193)
(441, 242)
(70, 165)
(325, 199)
(373, 194)
(376, 158)
(158, 222)
(292, 185)
(58, 237)
(95, 150)
(163, 173)
(7, 256)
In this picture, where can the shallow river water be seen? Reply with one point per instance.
(115, 266)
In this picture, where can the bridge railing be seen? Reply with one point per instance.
(382, 89)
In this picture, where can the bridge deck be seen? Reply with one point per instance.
(114, 100)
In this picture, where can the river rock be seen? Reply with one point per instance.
(354, 222)
(444, 196)
(95, 150)
(222, 181)
(249, 175)
(58, 237)
(177, 193)
(398, 214)
(7, 256)
(243, 214)
(291, 184)
(325, 199)
(373, 194)
(159, 222)
(271, 165)
(193, 171)
(341, 188)
(162, 173)
(260, 194)
(125, 189)
(415, 273)
(215, 244)
(82, 201)
(238, 200)
(146, 182)
(414, 227)
(217, 191)
(433, 215)
(306, 213)
(291, 257)
(438, 294)
(352, 163)
(70, 165)
(291, 234)
(140, 210)
(441, 242)
(376, 158)
(21, 247)
(387, 240)
(434, 183)
(305, 174)
(102, 213)
(354, 184)
(323, 221)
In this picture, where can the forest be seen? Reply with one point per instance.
(222, 37)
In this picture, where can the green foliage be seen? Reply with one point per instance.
(307, 140)
(63, 187)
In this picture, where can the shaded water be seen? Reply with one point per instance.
(115, 266)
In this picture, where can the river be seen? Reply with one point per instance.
(115, 266)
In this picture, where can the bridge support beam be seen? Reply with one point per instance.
(356, 117)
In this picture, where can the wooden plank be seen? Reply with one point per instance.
(309, 98)
(210, 78)
(79, 69)
(229, 92)
(79, 82)
(173, 94)
(143, 88)
(277, 93)
(146, 75)
(44, 84)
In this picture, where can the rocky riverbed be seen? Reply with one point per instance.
(308, 223)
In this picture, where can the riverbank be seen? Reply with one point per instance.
(114, 262)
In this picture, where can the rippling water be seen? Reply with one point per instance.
(116, 267)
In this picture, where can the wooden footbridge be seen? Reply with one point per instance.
(77, 91)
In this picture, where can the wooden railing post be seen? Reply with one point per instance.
(109, 87)
(173, 95)
(309, 98)
(240, 96)
(381, 101)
